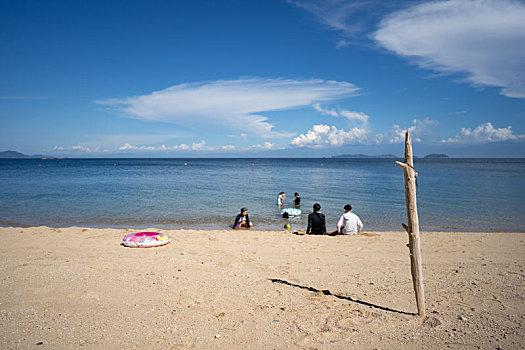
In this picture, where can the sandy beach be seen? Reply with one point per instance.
(78, 287)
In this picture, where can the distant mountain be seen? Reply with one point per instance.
(14, 154)
(365, 156)
(436, 155)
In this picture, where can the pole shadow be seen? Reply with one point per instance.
(327, 292)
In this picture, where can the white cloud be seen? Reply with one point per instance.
(129, 147)
(126, 147)
(345, 17)
(418, 129)
(484, 133)
(325, 135)
(231, 104)
(266, 146)
(77, 148)
(485, 39)
(359, 116)
(326, 111)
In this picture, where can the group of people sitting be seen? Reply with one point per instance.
(348, 224)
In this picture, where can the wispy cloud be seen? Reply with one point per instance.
(484, 133)
(350, 115)
(352, 20)
(227, 105)
(336, 14)
(484, 39)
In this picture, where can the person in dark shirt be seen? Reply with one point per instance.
(242, 219)
(297, 200)
(316, 222)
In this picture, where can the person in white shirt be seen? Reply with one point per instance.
(280, 199)
(349, 223)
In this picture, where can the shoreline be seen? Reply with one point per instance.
(244, 289)
(228, 228)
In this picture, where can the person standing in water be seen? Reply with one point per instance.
(297, 200)
(280, 198)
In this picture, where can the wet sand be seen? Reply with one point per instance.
(78, 287)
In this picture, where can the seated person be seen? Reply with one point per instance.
(349, 223)
(316, 222)
(242, 219)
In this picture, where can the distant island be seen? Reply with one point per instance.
(17, 155)
(365, 156)
(436, 155)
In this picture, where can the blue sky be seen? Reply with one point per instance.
(262, 78)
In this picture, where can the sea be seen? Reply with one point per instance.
(479, 195)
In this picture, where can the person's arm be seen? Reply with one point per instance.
(340, 224)
(309, 224)
(236, 221)
(359, 225)
(323, 223)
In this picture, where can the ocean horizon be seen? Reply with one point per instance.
(454, 194)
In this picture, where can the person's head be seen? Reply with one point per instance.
(348, 208)
(296, 194)
(317, 207)
(286, 215)
(244, 211)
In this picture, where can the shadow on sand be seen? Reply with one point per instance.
(327, 292)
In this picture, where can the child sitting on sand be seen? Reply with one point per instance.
(242, 219)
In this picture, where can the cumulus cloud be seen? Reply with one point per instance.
(484, 133)
(324, 135)
(418, 129)
(484, 39)
(230, 104)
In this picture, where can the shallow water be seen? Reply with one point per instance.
(453, 194)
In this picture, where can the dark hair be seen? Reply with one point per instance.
(348, 207)
(317, 207)
(244, 209)
(296, 194)
(281, 193)
(286, 215)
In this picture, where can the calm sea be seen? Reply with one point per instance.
(453, 194)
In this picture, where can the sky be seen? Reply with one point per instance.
(273, 78)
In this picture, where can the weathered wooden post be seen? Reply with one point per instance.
(413, 225)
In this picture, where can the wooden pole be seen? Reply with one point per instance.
(413, 225)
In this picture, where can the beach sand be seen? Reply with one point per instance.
(75, 287)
